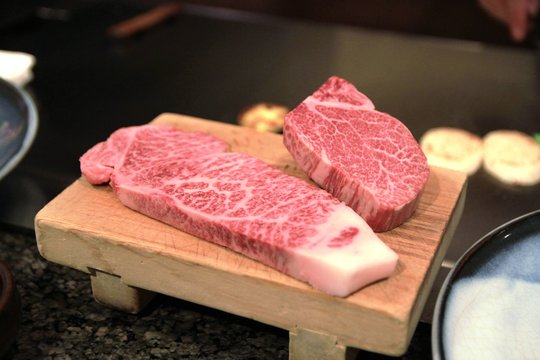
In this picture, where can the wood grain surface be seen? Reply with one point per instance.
(87, 228)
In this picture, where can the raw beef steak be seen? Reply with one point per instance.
(98, 163)
(242, 203)
(364, 157)
(159, 142)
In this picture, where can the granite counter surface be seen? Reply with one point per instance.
(61, 320)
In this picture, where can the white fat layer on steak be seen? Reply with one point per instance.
(322, 170)
(312, 104)
(342, 269)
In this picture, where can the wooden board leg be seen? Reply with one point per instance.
(307, 345)
(109, 290)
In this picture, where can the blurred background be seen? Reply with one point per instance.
(459, 19)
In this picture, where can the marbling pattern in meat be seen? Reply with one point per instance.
(364, 157)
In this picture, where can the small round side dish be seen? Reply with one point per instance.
(488, 304)
(10, 308)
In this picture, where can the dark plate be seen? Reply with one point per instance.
(489, 304)
(18, 125)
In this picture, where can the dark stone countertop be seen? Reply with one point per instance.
(61, 320)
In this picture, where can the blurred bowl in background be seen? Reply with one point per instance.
(18, 125)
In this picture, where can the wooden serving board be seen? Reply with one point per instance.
(130, 256)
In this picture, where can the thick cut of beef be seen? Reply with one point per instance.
(364, 157)
(242, 203)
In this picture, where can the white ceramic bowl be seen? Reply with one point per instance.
(489, 304)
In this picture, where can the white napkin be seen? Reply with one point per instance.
(16, 67)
